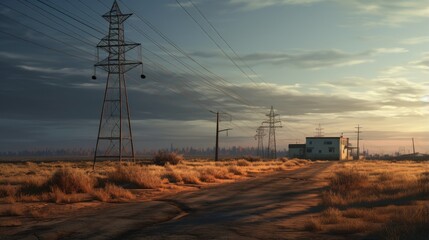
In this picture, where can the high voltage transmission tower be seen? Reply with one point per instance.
(260, 134)
(273, 120)
(319, 131)
(358, 139)
(114, 133)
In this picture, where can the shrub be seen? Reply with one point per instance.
(7, 191)
(135, 175)
(163, 157)
(118, 192)
(243, 163)
(71, 180)
(312, 225)
(252, 158)
(173, 176)
(190, 177)
(331, 216)
(101, 195)
(235, 170)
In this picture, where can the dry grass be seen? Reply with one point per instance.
(381, 199)
(72, 182)
(236, 170)
(313, 225)
(409, 223)
(331, 216)
(14, 210)
(116, 192)
(243, 163)
(135, 176)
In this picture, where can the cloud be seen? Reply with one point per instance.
(60, 71)
(316, 59)
(257, 4)
(14, 56)
(390, 50)
(415, 40)
(388, 12)
(422, 63)
(391, 12)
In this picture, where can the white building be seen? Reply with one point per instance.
(327, 148)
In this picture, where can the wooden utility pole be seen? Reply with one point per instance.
(217, 133)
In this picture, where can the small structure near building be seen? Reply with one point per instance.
(322, 148)
(297, 150)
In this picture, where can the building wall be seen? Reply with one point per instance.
(325, 148)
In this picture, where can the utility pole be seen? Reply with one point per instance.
(414, 149)
(319, 131)
(114, 139)
(218, 131)
(260, 134)
(273, 120)
(358, 138)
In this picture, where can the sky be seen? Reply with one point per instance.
(336, 63)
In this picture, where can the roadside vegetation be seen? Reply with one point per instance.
(376, 199)
(25, 184)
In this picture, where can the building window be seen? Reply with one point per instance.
(309, 150)
(311, 142)
(331, 149)
(327, 142)
(320, 151)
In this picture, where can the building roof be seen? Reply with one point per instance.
(296, 145)
(323, 137)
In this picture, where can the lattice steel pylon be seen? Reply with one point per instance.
(273, 120)
(260, 134)
(115, 139)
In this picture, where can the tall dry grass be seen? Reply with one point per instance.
(379, 199)
(411, 223)
(69, 182)
(136, 176)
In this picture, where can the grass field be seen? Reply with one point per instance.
(41, 189)
(380, 199)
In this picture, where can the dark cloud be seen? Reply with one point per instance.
(307, 59)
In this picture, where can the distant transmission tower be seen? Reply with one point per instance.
(273, 120)
(260, 134)
(319, 131)
(115, 140)
(358, 139)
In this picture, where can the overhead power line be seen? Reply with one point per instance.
(43, 46)
(214, 41)
(226, 42)
(70, 16)
(38, 9)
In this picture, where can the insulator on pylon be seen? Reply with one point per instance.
(94, 76)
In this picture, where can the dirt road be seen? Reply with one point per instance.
(273, 206)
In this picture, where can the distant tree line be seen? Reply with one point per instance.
(235, 151)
